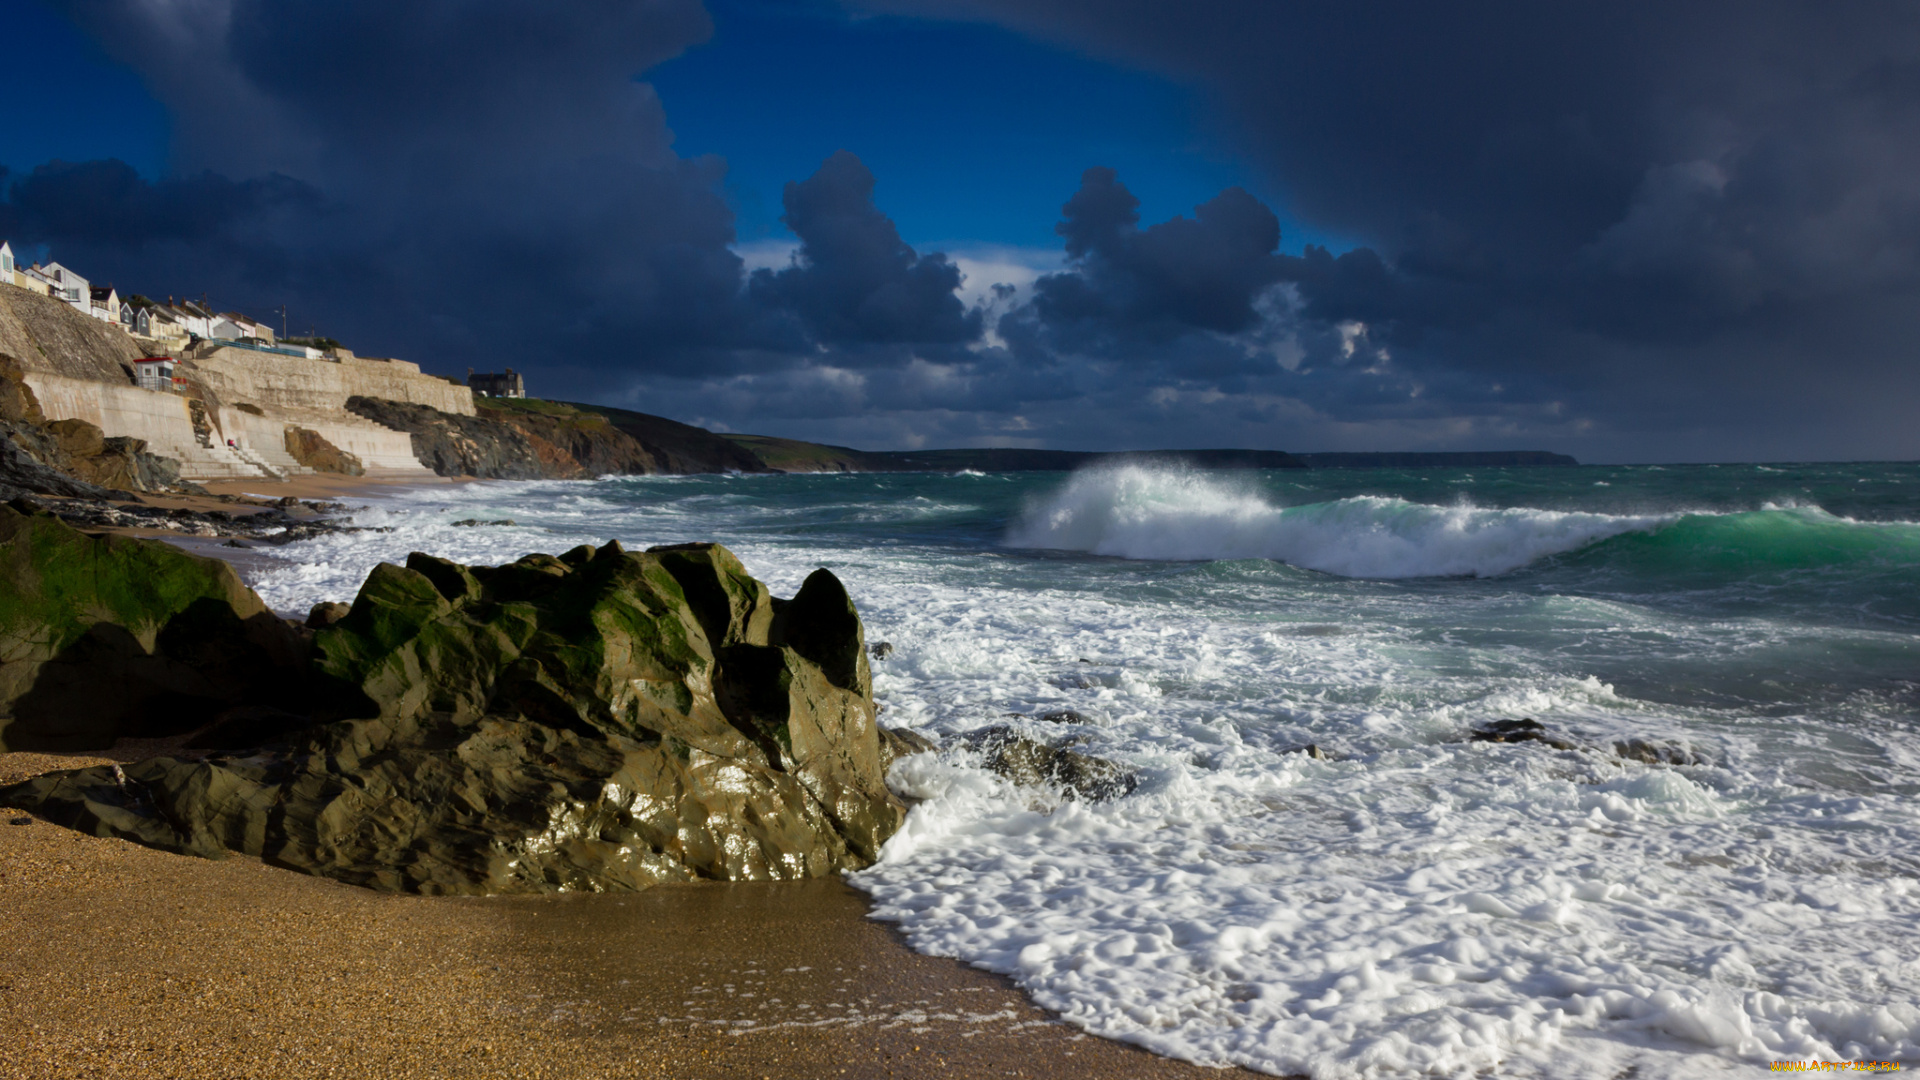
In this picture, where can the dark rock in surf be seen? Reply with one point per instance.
(1035, 764)
(1063, 716)
(1657, 753)
(880, 650)
(896, 743)
(1519, 731)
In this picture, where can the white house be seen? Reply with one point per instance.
(68, 286)
(6, 263)
(250, 328)
(194, 319)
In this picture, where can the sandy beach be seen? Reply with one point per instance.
(120, 961)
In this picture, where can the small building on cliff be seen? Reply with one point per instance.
(487, 384)
(105, 303)
(6, 263)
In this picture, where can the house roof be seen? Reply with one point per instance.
(100, 292)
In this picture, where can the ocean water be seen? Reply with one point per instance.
(1413, 903)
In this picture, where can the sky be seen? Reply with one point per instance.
(1630, 232)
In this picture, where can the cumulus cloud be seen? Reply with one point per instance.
(853, 280)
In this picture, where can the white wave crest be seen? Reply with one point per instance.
(1143, 513)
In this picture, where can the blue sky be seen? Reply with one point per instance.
(84, 104)
(977, 134)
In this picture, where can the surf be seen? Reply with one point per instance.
(1181, 515)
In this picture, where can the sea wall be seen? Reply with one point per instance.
(290, 383)
(164, 420)
(80, 368)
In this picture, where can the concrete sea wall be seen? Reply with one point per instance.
(80, 368)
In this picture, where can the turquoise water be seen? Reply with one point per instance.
(1417, 903)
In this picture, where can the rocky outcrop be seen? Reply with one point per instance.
(69, 457)
(600, 720)
(110, 637)
(577, 443)
(310, 448)
(524, 439)
(455, 445)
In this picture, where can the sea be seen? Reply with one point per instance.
(1402, 900)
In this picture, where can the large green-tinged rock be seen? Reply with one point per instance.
(109, 636)
(600, 720)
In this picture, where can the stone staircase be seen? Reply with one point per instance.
(273, 461)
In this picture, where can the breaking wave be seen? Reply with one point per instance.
(1142, 513)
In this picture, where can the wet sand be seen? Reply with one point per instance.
(121, 961)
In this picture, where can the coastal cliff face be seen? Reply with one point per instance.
(525, 439)
(600, 720)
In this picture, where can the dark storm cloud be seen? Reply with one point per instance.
(1203, 272)
(467, 183)
(1695, 217)
(853, 280)
(107, 202)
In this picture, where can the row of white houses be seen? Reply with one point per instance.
(175, 324)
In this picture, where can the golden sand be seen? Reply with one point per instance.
(121, 961)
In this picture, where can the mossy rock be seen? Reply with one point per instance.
(109, 636)
(601, 720)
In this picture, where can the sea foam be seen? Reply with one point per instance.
(1137, 512)
(1413, 904)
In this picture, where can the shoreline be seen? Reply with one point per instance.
(126, 960)
(123, 960)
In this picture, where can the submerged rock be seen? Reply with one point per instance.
(1656, 752)
(896, 743)
(1035, 764)
(1518, 731)
(599, 720)
(1646, 751)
